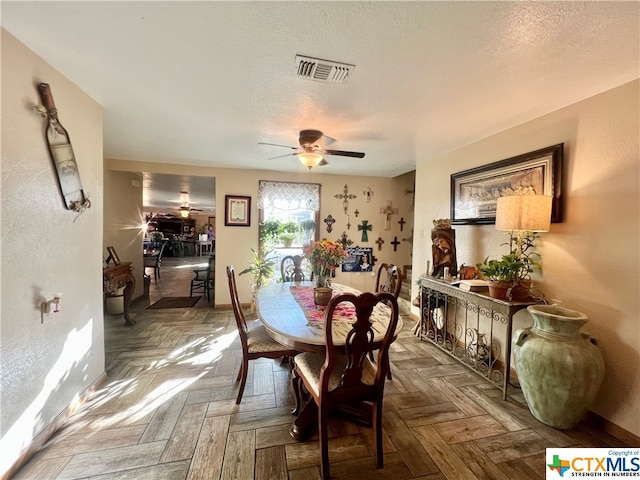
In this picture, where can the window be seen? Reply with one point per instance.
(289, 215)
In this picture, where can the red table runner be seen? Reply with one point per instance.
(344, 312)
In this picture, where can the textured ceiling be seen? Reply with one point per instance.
(201, 83)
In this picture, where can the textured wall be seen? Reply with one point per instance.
(591, 261)
(123, 220)
(44, 251)
(233, 244)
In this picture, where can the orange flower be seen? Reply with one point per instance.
(324, 256)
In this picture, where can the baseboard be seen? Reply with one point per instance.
(46, 433)
(594, 420)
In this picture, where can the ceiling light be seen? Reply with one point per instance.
(184, 212)
(310, 159)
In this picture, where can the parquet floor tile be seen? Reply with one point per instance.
(167, 412)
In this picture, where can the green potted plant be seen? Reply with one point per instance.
(269, 231)
(288, 233)
(510, 277)
(261, 266)
(503, 274)
(202, 232)
(178, 246)
(522, 247)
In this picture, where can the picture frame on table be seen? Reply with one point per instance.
(475, 192)
(113, 256)
(237, 211)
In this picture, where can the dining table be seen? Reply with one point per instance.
(291, 317)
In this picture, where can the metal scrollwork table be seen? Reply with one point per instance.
(462, 324)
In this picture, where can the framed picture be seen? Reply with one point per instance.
(237, 211)
(113, 256)
(360, 259)
(475, 192)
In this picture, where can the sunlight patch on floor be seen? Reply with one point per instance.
(213, 352)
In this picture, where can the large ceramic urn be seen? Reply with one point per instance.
(559, 368)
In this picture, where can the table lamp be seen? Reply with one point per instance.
(523, 213)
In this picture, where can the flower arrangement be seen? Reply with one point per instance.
(324, 256)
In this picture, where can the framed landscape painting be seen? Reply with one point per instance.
(475, 192)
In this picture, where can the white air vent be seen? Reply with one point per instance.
(322, 70)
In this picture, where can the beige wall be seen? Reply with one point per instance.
(591, 261)
(123, 219)
(233, 244)
(43, 251)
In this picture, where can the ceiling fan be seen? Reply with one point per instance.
(184, 207)
(310, 153)
(185, 210)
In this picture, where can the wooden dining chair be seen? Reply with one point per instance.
(347, 376)
(256, 342)
(389, 279)
(203, 280)
(154, 262)
(291, 268)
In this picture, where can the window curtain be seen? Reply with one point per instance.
(296, 196)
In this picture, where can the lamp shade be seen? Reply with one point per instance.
(310, 159)
(524, 212)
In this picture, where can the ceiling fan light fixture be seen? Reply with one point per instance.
(184, 212)
(310, 159)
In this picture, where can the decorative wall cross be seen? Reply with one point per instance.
(368, 193)
(395, 244)
(348, 223)
(356, 213)
(345, 196)
(344, 240)
(329, 221)
(388, 211)
(402, 222)
(379, 241)
(365, 227)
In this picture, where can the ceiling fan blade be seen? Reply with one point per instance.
(276, 145)
(322, 162)
(328, 140)
(280, 156)
(343, 153)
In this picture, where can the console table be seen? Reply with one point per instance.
(463, 324)
(118, 276)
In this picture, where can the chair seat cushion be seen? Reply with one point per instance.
(258, 340)
(309, 365)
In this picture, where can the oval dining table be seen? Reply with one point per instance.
(292, 319)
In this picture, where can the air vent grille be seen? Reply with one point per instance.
(322, 70)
